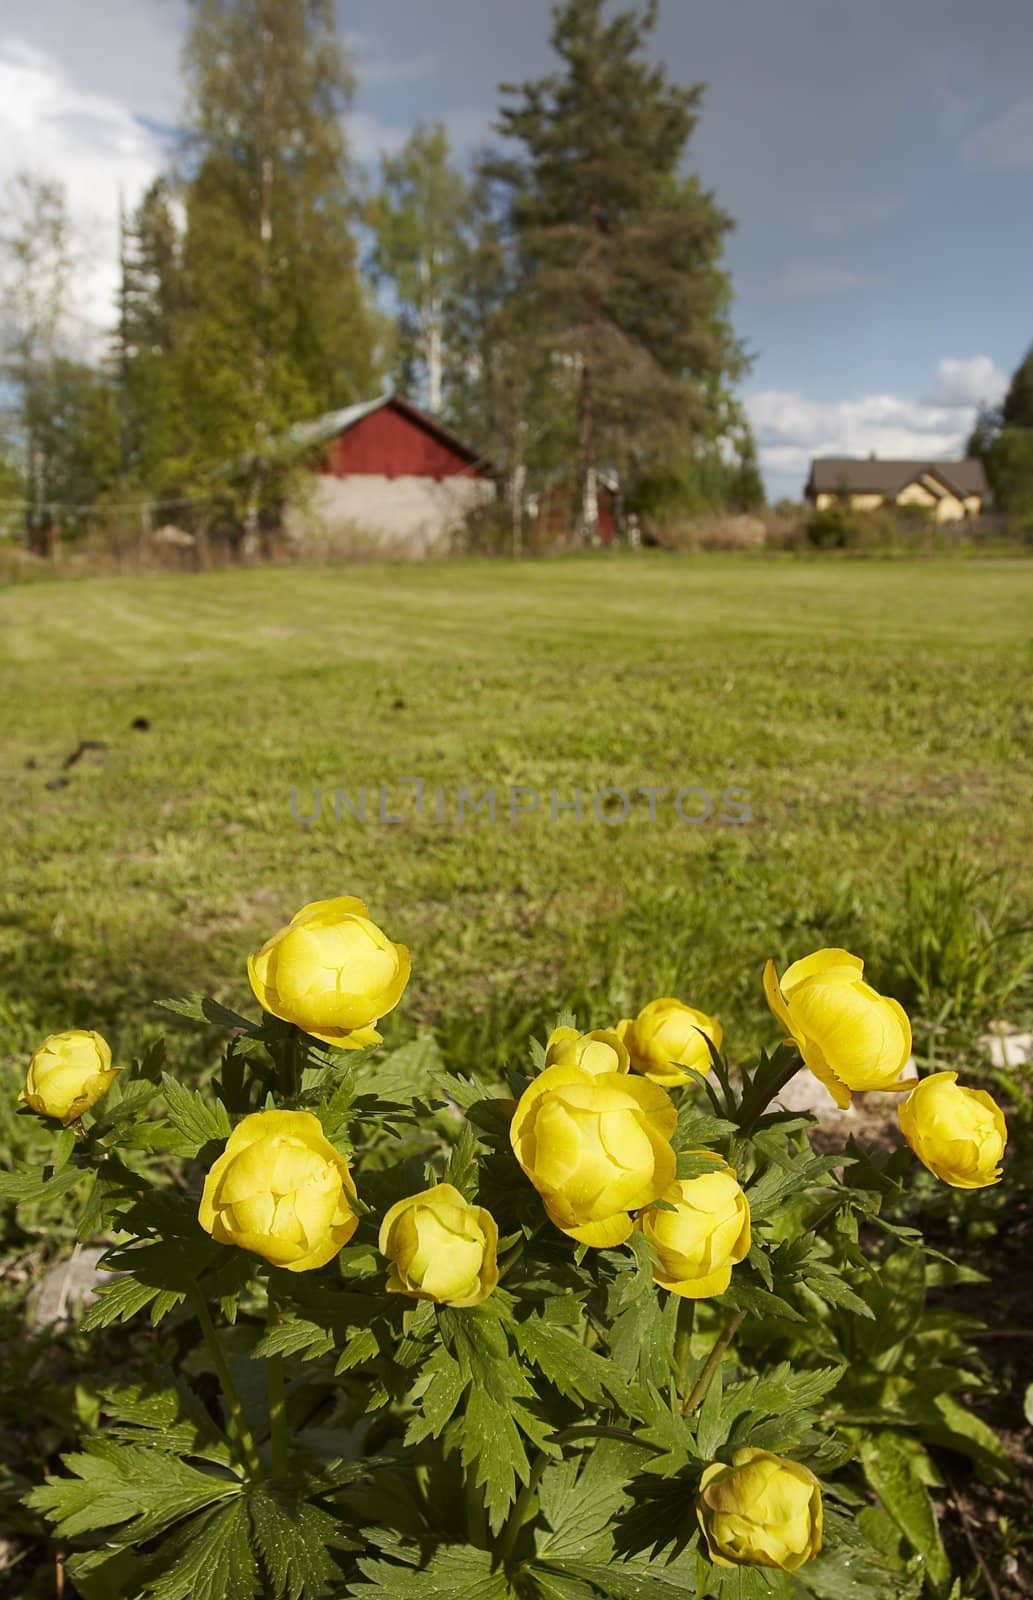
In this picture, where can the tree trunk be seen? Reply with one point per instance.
(588, 525)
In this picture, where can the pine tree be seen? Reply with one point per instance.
(418, 216)
(620, 251)
(276, 326)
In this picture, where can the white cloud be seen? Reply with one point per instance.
(94, 145)
(790, 429)
(974, 381)
(1004, 145)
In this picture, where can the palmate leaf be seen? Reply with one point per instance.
(211, 1558)
(140, 1490)
(33, 1183)
(291, 1538)
(171, 1419)
(461, 1171)
(580, 1499)
(488, 1432)
(197, 1119)
(577, 1372)
(456, 1572)
(627, 1580)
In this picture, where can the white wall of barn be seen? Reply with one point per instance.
(367, 514)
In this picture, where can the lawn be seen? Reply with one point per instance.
(877, 714)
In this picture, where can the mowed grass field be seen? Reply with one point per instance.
(878, 714)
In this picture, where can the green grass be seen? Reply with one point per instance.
(878, 714)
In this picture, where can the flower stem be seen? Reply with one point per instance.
(706, 1377)
(683, 1343)
(245, 1439)
(277, 1414)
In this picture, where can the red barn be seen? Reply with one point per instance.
(387, 478)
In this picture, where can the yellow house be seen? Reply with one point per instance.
(949, 491)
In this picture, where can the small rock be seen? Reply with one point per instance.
(68, 1287)
(1007, 1047)
(57, 783)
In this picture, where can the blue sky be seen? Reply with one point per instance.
(878, 161)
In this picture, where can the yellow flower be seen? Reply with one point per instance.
(68, 1074)
(958, 1133)
(280, 1190)
(850, 1036)
(762, 1511)
(603, 1050)
(703, 1238)
(331, 972)
(595, 1146)
(668, 1035)
(440, 1248)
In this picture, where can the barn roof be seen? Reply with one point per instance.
(310, 435)
(874, 475)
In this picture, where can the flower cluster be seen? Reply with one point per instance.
(595, 1133)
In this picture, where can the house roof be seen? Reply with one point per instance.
(310, 435)
(875, 475)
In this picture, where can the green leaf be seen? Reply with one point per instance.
(576, 1372)
(115, 1483)
(210, 1559)
(626, 1580)
(198, 1121)
(202, 1008)
(438, 1390)
(580, 1499)
(291, 1335)
(461, 1171)
(291, 1538)
(456, 1572)
(896, 1469)
(32, 1183)
(171, 1418)
(489, 1431)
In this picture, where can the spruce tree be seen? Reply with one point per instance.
(620, 248)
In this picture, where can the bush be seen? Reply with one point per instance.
(606, 1328)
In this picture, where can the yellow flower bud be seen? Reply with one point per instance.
(603, 1050)
(668, 1035)
(440, 1248)
(332, 972)
(850, 1036)
(958, 1133)
(68, 1074)
(595, 1147)
(762, 1511)
(699, 1242)
(280, 1190)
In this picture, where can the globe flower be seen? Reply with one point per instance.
(851, 1037)
(603, 1050)
(762, 1511)
(595, 1146)
(440, 1248)
(332, 972)
(280, 1190)
(708, 1232)
(958, 1133)
(668, 1035)
(68, 1074)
